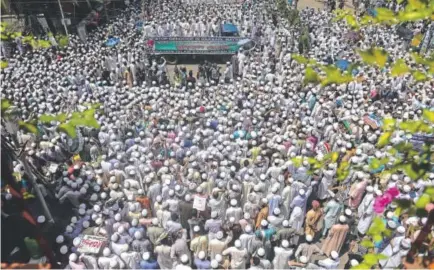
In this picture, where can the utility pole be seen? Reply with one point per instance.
(63, 17)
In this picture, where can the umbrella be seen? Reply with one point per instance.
(342, 64)
(112, 42)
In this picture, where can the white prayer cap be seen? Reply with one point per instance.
(137, 235)
(146, 256)
(106, 252)
(389, 215)
(348, 212)
(121, 229)
(214, 214)
(303, 259)
(214, 264)
(232, 219)
(309, 238)
(261, 252)
(370, 189)
(184, 258)
(86, 224)
(406, 243)
(342, 219)
(301, 192)
(187, 198)
(248, 228)
(96, 208)
(285, 223)
(400, 229)
(155, 221)
(285, 243)
(159, 198)
(354, 262)
(246, 215)
(41, 219)
(98, 221)
(144, 212)
(233, 202)
(118, 217)
(391, 224)
(115, 237)
(264, 223)
(73, 257)
(407, 188)
(219, 235)
(140, 191)
(264, 200)
(201, 255)
(276, 211)
(196, 228)
(76, 241)
(334, 255)
(134, 222)
(69, 229)
(60, 239)
(237, 243)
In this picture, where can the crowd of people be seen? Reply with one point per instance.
(200, 174)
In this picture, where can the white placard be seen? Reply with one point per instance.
(91, 244)
(199, 203)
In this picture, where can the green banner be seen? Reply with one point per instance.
(197, 45)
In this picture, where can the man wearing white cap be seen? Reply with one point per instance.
(337, 236)
(332, 262)
(217, 245)
(331, 212)
(365, 211)
(307, 249)
(282, 254)
(238, 255)
(201, 262)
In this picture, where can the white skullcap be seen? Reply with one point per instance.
(407, 188)
(276, 211)
(214, 264)
(121, 229)
(400, 229)
(392, 224)
(309, 238)
(233, 202)
(334, 255)
(81, 211)
(201, 255)
(41, 219)
(303, 259)
(76, 241)
(214, 214)
(285, 243)
(219, 235)
(184, 258)
(342, 219)
(232, 219)
(86, 224)
(144, 212)
(370, 189)
(106, 252)
(264, 223)
(96, 208)
(118, 217)
(237, 243)
(348, 212)
(285, 223)
(146, 256)
(134, 222)
(69, 229)
(301, 192)
(137, 235)
(115, 237)
(98, 221)
(261, 252)
(354, 262)
(246, 215)
(389, 215)
(187, 198)
(60, 239)
(406, 243)
(155, 221)
(248, 228)
(73, 257)
(196, 228)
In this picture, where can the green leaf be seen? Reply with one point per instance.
(374, 56)
(61, 117)
(28, 127)
(334, 76)
(370, 259)
(423, 201)
(310, 76)
(351, 21)
(6, 104)
(428, 115)
(389, 124)
(381, 257)
(399, 68)
(362, 266)
(384, 139)
(367, 244)
(385, 15)
(417, 58)
(68, 129)
(300, 59)
(405, 16)
(419, 76)
(4, 64)
(377, 227)
(46, 118)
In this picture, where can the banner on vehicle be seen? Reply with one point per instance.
(197, 45)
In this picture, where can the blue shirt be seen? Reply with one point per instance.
(150, 264)
(202, 264)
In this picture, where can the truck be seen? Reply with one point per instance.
(215, 49)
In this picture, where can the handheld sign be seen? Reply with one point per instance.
(199, 203)
(91, 244)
